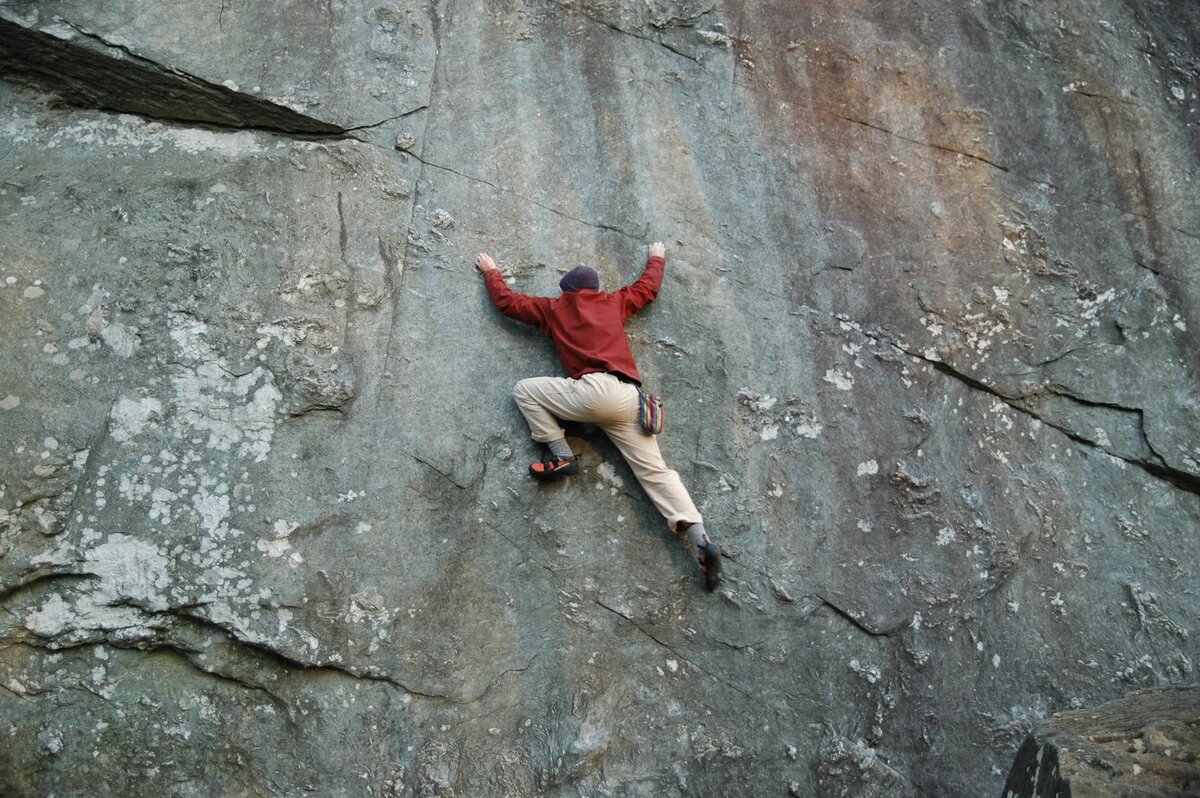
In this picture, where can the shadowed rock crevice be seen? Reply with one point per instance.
(89, 72)
(1153, 464)
(213, 647)
(1180, 479)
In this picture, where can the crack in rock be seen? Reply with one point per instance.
(859, 623)
(662, 22)
(674, 650)
(285, 662)
(918, 142)
(634, 35)
(551, 209)
(1180, 479)
(84, 73)
(197, 637)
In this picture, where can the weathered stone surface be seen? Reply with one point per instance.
(927, 336)
(1146, 744)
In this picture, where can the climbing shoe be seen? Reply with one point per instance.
(551, 468)
(710, 564)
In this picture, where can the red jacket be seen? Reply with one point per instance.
(586, 327)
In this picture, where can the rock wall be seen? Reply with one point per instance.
(928, 337)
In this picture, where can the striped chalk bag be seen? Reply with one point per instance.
(650, 412)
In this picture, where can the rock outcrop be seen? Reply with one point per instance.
(1146, 744)
(928, 340)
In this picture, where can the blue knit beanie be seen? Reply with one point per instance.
(580, 277)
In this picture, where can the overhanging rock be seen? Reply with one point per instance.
(88, 72)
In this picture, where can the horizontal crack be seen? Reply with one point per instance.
(90, 78)
(42, 577)
(1098, 96)
(285, 662)
(1065, 394)
(185, 653)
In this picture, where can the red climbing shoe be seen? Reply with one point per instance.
(551, 468)
(710, 565)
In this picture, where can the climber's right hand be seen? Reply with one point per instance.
(484, 263)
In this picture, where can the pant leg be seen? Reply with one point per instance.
(641, 452)
(545, 400)
(612, 405)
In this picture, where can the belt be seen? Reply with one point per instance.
(624, 378)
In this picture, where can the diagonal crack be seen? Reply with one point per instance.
(902, 137)
(644, 38)
(1002, 168)
(382, 122)
(1180, 479)
(449, 477)
(530, 200)
(1183, 480)
(84, 74)
(674, 650)
(862, 627)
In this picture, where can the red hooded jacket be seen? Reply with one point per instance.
(586, 327)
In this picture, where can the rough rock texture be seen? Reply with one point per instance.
(928, 338)
(1146, 744)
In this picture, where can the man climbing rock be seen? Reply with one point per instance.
(587, 327)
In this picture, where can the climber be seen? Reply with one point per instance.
(587, 328)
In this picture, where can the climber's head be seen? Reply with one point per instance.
(578, 278)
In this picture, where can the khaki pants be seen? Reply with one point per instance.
(612, 405)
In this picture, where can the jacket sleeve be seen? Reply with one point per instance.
(528, 309)
(644, 290)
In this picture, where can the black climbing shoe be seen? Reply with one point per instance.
(551, 468)
(710, 565)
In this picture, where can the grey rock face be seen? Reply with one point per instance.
(927, 338)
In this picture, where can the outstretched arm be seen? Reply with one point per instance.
(644, 290)
(517, 306)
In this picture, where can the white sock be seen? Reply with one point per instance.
(561, 449)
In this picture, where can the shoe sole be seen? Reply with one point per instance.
(554, 476)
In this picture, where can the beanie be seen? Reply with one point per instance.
(580, 277)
